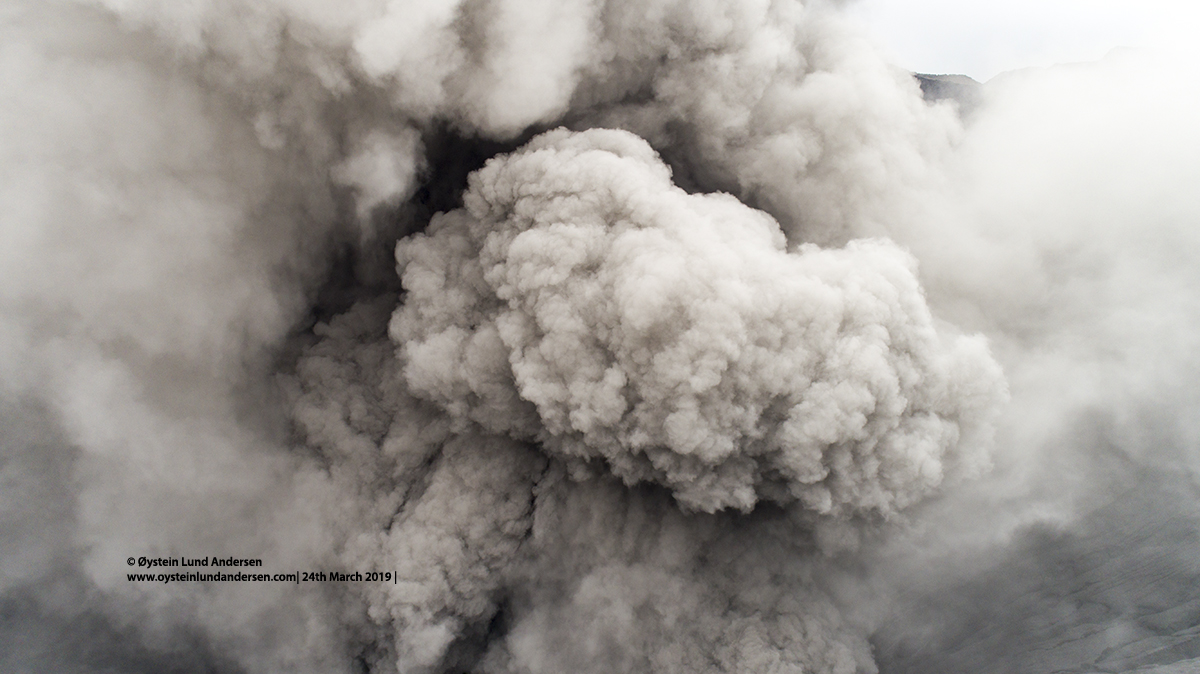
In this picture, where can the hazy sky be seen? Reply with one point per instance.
(981, 38)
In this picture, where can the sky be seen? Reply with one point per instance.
(984, 38)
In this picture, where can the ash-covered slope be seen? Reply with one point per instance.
(963, 90)
(1116, 592)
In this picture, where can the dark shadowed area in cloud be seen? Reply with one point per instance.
(627, 336)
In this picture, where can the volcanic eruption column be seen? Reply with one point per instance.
(629, 399)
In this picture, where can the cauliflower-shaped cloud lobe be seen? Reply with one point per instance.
(581, 300)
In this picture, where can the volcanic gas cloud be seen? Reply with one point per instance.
(628, 336)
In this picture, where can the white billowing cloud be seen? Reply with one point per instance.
(780, 104)
(382, 169)
(1078, 183)
(150, 251)
(492, 66)
(583, 301)
(1076, 253)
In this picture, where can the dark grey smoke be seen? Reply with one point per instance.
(632, 336)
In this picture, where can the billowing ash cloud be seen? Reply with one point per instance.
(629, 336)
(582, 301)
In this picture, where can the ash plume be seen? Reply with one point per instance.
(628, 337)
(582, 301)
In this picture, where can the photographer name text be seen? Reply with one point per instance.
(152, 562)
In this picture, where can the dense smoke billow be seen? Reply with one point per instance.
(625, 336)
